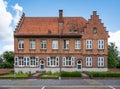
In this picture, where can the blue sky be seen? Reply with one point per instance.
(108, 11)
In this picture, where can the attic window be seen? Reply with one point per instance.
(94, 30)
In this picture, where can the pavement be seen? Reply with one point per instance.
(61, 84)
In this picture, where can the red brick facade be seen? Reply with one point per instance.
(59, 29)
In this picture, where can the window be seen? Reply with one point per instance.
(100, 61)
(34, 61)
(77, 44)
(26, 61)
(32, 44)
(21, 61)
(43, 44)
(88, 61)
(53, 61)
(100, 44)
(21, 44)
(66, 44)
(88, 44)
(68, 61)
(16, 61)
(94, 30)
(55, 44)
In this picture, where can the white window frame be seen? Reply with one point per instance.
(21, 61)
(100, 61)
(55, 44)
(52, 62)
(100, 44)
(71, 61)
(77, 44)
(88, 61)
(34, 61)
(26, 61)
(32, 44)
(66, 44)
(43, 44)
(88, 44)
(16, 61)
(20, 44)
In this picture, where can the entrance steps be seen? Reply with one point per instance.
(37, 74)
(85, 76)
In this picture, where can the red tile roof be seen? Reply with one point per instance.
(41, 25)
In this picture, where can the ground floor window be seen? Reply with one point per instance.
(100, 61)
(26, 61)
(88, 61)
(53, 61)
(68, 61)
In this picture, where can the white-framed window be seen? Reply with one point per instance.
(33, 61)
(68, 61)
(43, 44)
(100, 61)
(88, 44)
(77, 44)
(32, 44)
(16, 61)
(20, 44)
(66, 44)
(55, 44)
(89, 61)
(26, 61)
(100, 44)
(53, 61)
(21, 61)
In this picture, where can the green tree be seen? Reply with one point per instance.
(8, 56)
(112, 56)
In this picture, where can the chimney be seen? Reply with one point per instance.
(94, 12)
(60, 16)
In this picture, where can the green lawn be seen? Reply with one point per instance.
(16, 75)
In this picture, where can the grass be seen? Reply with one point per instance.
(103, 74)
(50, 75)
(15, 75)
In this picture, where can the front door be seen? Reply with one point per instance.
(42, 64)
(79, 64)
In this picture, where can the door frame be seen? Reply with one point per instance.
(42, 64)
(79, 64)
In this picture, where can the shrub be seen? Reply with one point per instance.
(104, 74)
(70, 74)
(6, 65)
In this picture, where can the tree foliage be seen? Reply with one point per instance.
(112, 56)
(8, 56)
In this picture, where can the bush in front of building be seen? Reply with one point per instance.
(71, 74)
(6, 65)
(103, 74)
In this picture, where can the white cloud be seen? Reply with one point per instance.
(6, 25)
(18, 10)
(115, 37)
(6, 32)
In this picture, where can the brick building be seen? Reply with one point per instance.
(60, 43)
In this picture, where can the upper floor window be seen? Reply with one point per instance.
(55, 44)
(68, 61)
(21, 44)
(32, 44)
(66, 44)
(53, 61)
(88, 61)
(88, 44)
(100, 61)
(94, 30)
(100, 44)
(77, 44)
(43, 44)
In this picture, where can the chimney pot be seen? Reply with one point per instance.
(60, 13)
